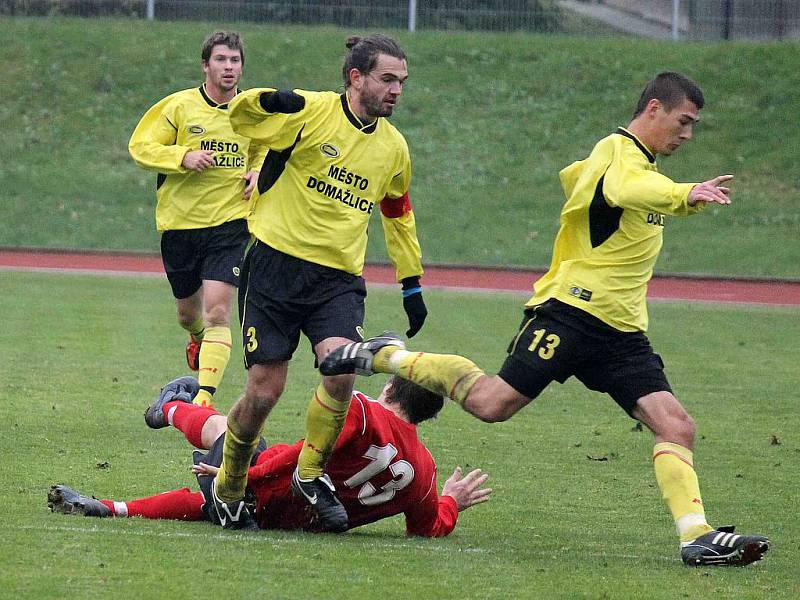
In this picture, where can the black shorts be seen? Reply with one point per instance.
(214, 458)
(556, 341)
(191, 256)
(281, 295)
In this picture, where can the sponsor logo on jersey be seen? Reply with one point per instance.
(656, 219)
(236, 271)
(345, 196)
(360, 331)
(226, 154)
(342, 175)
(580, 293)
(196, 129)
(329, 150)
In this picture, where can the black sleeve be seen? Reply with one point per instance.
(282, 101)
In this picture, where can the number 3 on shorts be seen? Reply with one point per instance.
(252, 342)
(546, 343)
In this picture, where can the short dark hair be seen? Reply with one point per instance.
(418, 403)
(670, 88)
(363, 53)
(230, 39)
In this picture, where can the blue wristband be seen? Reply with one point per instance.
(410, 291)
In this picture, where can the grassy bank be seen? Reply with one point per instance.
(490, 119)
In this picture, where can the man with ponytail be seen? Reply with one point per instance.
(333, 160)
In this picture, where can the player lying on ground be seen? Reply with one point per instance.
(588, 315)
(379, 466)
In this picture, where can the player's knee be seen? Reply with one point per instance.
(686, 428)
(258, 402)
(493, 416)
(186, 318)
(680, 429)
(492, 400)
(262, 394)
(214, 427)
(339, 386)
(490, 410)
(217, 316)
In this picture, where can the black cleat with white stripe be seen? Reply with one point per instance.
(64, 499)
(320, 495)
(357, 357)
(230, 515)
(722, 547)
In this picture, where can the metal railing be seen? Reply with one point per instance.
(675, 19)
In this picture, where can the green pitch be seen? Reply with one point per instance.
(575, 512)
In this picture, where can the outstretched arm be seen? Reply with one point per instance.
(711, 191)
(467, 491)
(436, 516)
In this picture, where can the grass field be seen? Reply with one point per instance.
(490, 120)
(575, 513)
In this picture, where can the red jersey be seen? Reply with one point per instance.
(379, 467)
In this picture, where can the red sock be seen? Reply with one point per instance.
(181, 505)
(189, 418)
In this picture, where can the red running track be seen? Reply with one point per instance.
(703, 289)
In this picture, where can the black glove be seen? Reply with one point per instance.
(414, 305)
(282, 101)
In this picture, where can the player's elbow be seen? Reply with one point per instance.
(136, 151)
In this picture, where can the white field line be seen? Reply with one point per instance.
(371, 541)
(70, 271)
(218, 535)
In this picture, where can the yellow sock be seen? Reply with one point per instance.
(214, 355)
(196, 329)
(236, 455)
(677, 480)
(446, 374)
(324, 421)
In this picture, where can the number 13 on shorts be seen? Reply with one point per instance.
(544, 344)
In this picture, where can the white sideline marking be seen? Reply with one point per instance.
(101, 272)
(264, 537)
(239, 537)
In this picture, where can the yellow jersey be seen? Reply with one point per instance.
(185, 121)
(611, 231)
(326, 172)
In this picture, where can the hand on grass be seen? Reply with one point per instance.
(467, 490)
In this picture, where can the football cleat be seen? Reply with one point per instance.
(357, 357)
(193, 354)
(183, 389)
(231, 515)
(320, 495)
(65, 500)
(723, 547)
